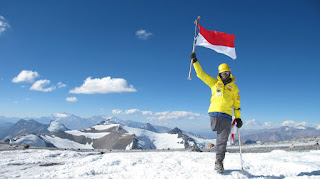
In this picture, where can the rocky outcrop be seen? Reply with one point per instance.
(187, 141)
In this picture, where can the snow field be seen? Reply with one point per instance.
(104, 126)
(160, 140)
(281, 163)
(65, 143)
(30, 139)
(88, 134)
(70, 164)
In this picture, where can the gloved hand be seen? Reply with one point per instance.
(193, 57)
(239, 122)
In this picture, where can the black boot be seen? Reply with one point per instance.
(219, 166)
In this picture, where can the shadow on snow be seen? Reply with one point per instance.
(228, 172)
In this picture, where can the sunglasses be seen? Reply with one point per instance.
(225, 72)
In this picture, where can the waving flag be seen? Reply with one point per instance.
(218, 41)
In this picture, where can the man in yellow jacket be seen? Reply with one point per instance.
(224, 97)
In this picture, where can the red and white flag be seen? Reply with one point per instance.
(218, 41)
(233, 131)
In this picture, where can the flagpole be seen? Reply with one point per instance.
(240, 151)
(194, 44)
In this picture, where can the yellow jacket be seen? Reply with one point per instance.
(224, 97)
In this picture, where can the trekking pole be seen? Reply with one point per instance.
(194, 44)
(240, 150)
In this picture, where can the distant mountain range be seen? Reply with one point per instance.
(65, 122)
(77, 123)
(280, 134)
(108, 135)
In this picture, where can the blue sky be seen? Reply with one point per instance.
(130, 59)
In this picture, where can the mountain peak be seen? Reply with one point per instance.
(148, 127)
(56, 126)
(175, 131)
(24, 126)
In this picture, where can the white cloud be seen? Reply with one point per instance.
(267, 124)
(174, 115)
(25, 76)
(72, 99)
(61, 85)
(116, 111)
(143, 34)
(255, 124)
(3, 24)
(146, 112)
(30, 76)
(288, 123)
(293, 123)
(301, 124)
(318, 127)
(103, 86)
(252, 123)
(61, 115)
(132, 111)
(166, 115)
(40, 86)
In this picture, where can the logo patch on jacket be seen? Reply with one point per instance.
(229, 87)
(219, 90)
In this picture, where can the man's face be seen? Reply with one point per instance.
(225, 75)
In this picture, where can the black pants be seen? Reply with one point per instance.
(222, 126)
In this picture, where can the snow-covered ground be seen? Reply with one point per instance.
(42, 163)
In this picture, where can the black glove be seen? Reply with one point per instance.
(239, 123)
(193, 57)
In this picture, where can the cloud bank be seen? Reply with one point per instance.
(166, 115)
(293, 123)
(131, 111)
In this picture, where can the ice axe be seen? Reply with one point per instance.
(194, 44)
(240, 151)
